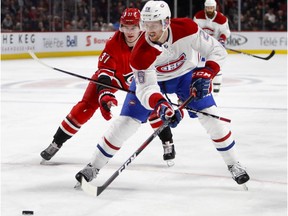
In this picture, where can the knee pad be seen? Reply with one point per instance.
(121, 129)
(214, 127)
(81, 113)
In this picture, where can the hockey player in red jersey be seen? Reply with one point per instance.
(215, 24)
(164, 61)
(113, 69)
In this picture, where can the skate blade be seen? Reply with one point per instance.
(245, 187)
(43, 162)
(77, 186)
(170, 163)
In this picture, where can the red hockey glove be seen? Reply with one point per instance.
(166, 112)
(106, 101)
(201, 83)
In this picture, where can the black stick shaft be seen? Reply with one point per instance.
(111, 86)
(255, 56)
(78, 75)
(204, 113)
(100, 189)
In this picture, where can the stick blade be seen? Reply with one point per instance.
(32, 54)
(88, 188)
(271, 55)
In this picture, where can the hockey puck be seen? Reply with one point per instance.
(26, 212)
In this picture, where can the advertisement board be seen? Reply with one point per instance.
(258, 41)
(16, 45)
(55, 44)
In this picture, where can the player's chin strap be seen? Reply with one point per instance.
(164, 29)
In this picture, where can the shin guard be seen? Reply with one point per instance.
(119, 131)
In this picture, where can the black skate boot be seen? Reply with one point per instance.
(50, 151)
(169, 152)
(238, 173)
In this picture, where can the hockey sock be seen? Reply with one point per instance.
(221, 135)
(65, 131)
(166, 135)
(119, 131)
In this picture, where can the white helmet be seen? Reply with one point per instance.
(210, 3)
(156, 11)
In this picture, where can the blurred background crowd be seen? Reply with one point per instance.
(103, 15)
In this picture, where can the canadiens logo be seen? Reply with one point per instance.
(173, 65)
(209, 31)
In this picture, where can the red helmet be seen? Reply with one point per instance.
(130, 16)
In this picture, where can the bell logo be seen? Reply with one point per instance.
(71, 41)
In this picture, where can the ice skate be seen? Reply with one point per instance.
(169, 153)
(89, 173)
(239, 173)
(50, 151)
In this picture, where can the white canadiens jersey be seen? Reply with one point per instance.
(217, 26)
(152, 63)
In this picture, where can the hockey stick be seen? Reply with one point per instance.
(76, 75)
(204, 113)
(96, 191)
(255, 56)
(113, 87)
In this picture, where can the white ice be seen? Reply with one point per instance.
(35, 99)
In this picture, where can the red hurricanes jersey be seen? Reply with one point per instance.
(217, 26)
(114, 61)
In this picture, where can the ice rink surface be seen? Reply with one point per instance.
(35, 99)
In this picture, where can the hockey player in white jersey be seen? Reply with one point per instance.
(164, 60)
(215, 24)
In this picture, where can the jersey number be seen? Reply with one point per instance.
(204, 35)
(141, 76)
(104, 57)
